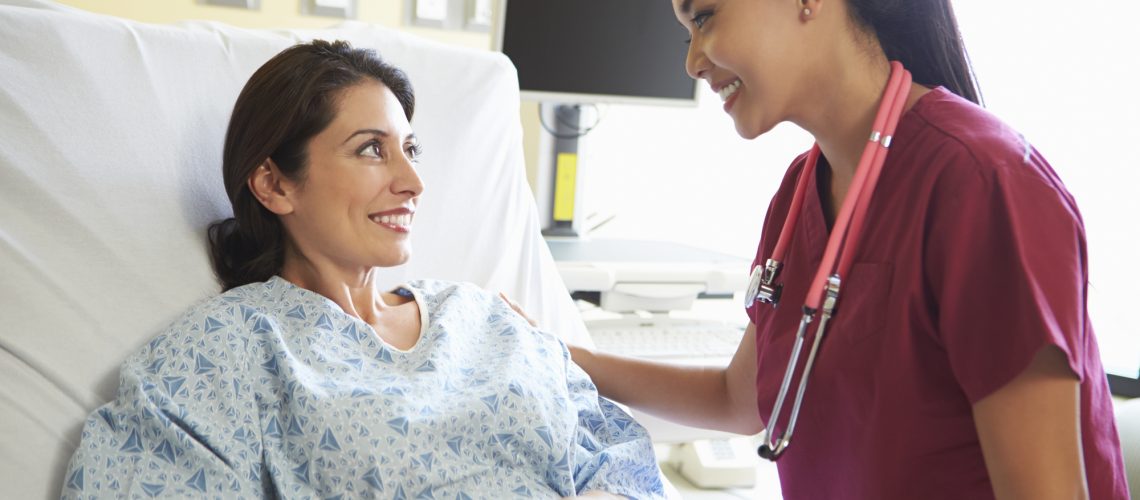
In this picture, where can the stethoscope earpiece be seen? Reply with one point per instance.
(766, 453)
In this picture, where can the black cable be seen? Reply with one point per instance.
(579, 132)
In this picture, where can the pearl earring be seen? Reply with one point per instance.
(807, 12)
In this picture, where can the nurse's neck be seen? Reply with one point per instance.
(841, 122)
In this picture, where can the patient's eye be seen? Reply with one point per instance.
(372, 149)
(413, 150)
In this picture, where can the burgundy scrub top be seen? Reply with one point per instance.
(972, 260)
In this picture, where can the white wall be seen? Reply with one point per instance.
(273, 14)
(1063, 73)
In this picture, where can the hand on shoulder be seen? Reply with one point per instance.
(598, 494)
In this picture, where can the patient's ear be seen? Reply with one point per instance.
(271, 188)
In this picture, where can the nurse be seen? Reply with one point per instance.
(959, 360)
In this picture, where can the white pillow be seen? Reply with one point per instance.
(110, 169)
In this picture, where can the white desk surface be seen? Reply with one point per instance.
(767, 482)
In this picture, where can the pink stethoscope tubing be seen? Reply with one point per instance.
(823, 294)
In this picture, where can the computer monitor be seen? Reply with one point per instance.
(594, 51)
(574, 52)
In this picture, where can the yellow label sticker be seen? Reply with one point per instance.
(565, 177)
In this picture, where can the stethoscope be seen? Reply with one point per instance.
(824, 291)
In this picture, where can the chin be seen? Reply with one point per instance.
(399, 260)
(753, 129)
(393, 259)
(746, 132)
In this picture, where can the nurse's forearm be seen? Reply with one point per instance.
(1030, 432)
(710, 397)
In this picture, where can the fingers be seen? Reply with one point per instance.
(517, 309)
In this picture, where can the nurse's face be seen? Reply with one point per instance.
(751, 52)
(355, 206)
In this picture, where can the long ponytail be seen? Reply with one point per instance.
(923, 35)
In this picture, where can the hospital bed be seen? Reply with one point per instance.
(110, 170)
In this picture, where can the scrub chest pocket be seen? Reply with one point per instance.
(862, 309)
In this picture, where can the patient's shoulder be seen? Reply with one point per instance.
(215, 326)
(471, 304)
(434, 286)
(439, 291)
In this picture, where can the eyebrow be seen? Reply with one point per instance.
(375, 131)
(686, 6)
(369, 131)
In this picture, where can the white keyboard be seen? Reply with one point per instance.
(666, 337)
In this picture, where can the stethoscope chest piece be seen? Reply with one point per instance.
(760, 287)
(753, 286)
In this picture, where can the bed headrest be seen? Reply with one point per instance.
(110, 170)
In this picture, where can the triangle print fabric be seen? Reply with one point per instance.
(272, 390)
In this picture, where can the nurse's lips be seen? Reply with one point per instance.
(730, 101)
(399, 220)
(728, 90)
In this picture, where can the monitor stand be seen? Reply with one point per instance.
(565, 200)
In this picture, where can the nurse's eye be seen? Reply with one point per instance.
(701, 18)
(698, 21)
(372, 149)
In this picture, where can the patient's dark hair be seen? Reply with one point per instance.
(287, 102)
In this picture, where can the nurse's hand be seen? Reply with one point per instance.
(514, 305)
(598, 494)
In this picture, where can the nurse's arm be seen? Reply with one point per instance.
(722, 398)
(1030, 432)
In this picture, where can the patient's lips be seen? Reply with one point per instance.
(399, 220)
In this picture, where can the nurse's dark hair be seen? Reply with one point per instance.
(923, 35)
(288, 100)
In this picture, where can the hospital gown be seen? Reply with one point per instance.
(271, 390)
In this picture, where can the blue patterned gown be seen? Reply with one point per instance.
(272, 390)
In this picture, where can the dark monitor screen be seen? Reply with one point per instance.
(597, 50)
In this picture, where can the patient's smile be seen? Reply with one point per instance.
(401, 222)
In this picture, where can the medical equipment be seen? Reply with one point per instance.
(561, 69)
(662, 337)
(637, 275)
(824, 291)
(717, 463)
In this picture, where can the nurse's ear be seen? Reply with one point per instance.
(271, 188)
(809, 9)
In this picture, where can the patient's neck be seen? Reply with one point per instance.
(352, 290)
(394, 319)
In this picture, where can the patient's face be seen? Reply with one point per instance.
(354, 209)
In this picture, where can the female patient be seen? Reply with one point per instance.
(301, 379)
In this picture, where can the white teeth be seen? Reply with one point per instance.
(393, 220)
(727, 91)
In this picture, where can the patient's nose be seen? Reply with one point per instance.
(407, 179)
